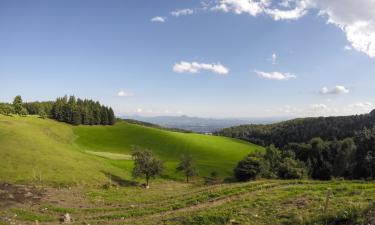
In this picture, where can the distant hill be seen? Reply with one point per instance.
(301, 130)
(34, 149)
(200, 125)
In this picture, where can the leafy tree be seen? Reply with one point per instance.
(364, 155)
(320, 166)
(17, 104)
(23, 112)
(251, 167)
(290, 168)
(146, 164)
(42, 114)
(186, 166)
(273, 156)
(6, 109)
(343, 159)
(370, 164)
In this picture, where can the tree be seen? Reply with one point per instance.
(17, 104)
(76, 116)
(111, 117)
(104, 115)
(343, 160)
(273, 156)
(320, 166)
(290, 168)
(23, 112)
(251, 167)
(186, 166)
(6, 109)
(146, 164)
(42, 114)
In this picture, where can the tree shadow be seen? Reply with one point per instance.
(120, 181)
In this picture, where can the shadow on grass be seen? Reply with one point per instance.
(120, 181)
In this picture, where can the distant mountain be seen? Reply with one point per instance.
(200, 125)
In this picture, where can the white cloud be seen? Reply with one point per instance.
(356, 18)
(158, 19)
(275, 75)
(182, 12)
(288, 14)
(195, 67)
(347, 47)
(124, 94)
(241, 6)
(338, 89)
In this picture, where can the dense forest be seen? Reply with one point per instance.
(301, 130)
(319, 148)
(66, 109)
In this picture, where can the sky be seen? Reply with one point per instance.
(207, 58)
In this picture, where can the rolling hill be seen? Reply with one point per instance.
(33, 149)
(302, 129)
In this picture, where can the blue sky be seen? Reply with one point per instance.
(225, 58)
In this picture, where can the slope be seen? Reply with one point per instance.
(211, 153)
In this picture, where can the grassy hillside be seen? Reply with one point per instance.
(210, 152)
(34, 150)
(260, 202)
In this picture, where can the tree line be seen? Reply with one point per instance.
(66, 109)
(78, 111)
(301, 130)
(351, 158)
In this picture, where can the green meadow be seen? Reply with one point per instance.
(54, 168)
(43, 150)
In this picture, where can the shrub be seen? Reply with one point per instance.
(251, 167)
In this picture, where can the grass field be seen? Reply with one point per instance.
(37, 150)
(260, 202)
(85, 171)
(210, 152)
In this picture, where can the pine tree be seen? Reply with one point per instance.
(17, 104)
(104, 116)
(111, 117)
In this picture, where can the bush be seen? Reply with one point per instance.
(251, 167)
(291, 169)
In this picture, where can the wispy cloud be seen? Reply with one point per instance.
(275, 75)
(195, 67)
(158, 19)
(182, 12)
(337, 90)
